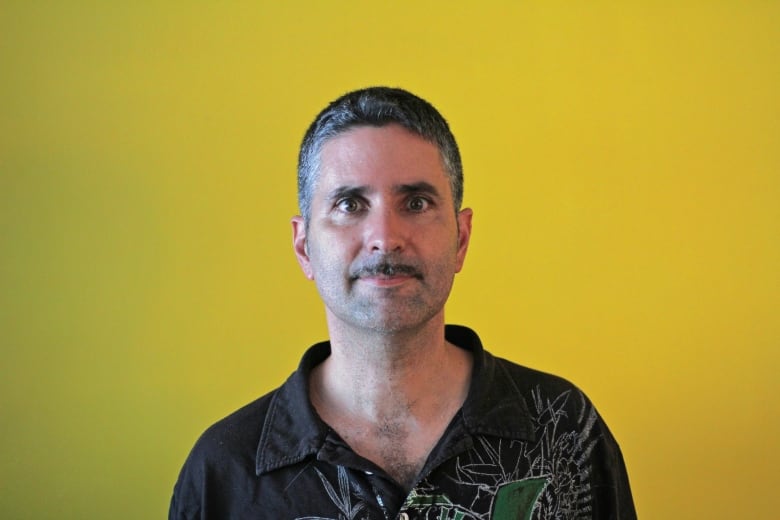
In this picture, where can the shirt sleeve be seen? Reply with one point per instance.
(187, 493)
(612, 498)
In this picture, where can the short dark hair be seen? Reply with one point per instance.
(376, 106)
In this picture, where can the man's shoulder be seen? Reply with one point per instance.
(547, 399)
(500, 380)
(276, 418)
(541, 391)
(236, 434)
(224, 456)
(528, 379)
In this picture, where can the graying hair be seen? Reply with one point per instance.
(376, 106)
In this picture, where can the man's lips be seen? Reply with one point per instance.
(386, 281)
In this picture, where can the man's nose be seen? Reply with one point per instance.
(386, 231)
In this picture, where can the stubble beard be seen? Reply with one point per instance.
(389, 310)
(390, 314)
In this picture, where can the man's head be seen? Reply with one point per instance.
(381, 232)
(377, 107)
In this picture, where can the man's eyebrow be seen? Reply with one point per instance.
(418, 187)
(347, 191)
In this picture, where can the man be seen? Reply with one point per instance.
(398, 415)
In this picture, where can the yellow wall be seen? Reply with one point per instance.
(622, 160)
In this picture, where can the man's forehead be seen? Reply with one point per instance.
(389, 149)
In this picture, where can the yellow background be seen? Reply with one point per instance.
(622, 159)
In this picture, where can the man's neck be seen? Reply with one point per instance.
(392, 396)
(388, 366)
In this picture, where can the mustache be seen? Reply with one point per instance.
(384, 267)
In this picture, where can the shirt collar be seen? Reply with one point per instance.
(293, 431)
(494, 405)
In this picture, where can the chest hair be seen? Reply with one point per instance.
(395, 445)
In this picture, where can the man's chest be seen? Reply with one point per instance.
(495, 479)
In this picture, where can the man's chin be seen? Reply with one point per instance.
(394, 320)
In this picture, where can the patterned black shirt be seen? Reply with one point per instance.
(525, 445)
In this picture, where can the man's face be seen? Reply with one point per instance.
(383, 242)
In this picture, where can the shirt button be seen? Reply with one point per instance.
(403, 516)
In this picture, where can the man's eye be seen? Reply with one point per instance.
(348, 205)
(418, 204)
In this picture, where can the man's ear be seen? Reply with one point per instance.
(464, 235)
(300, 246)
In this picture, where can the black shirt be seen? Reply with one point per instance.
(524, 445)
